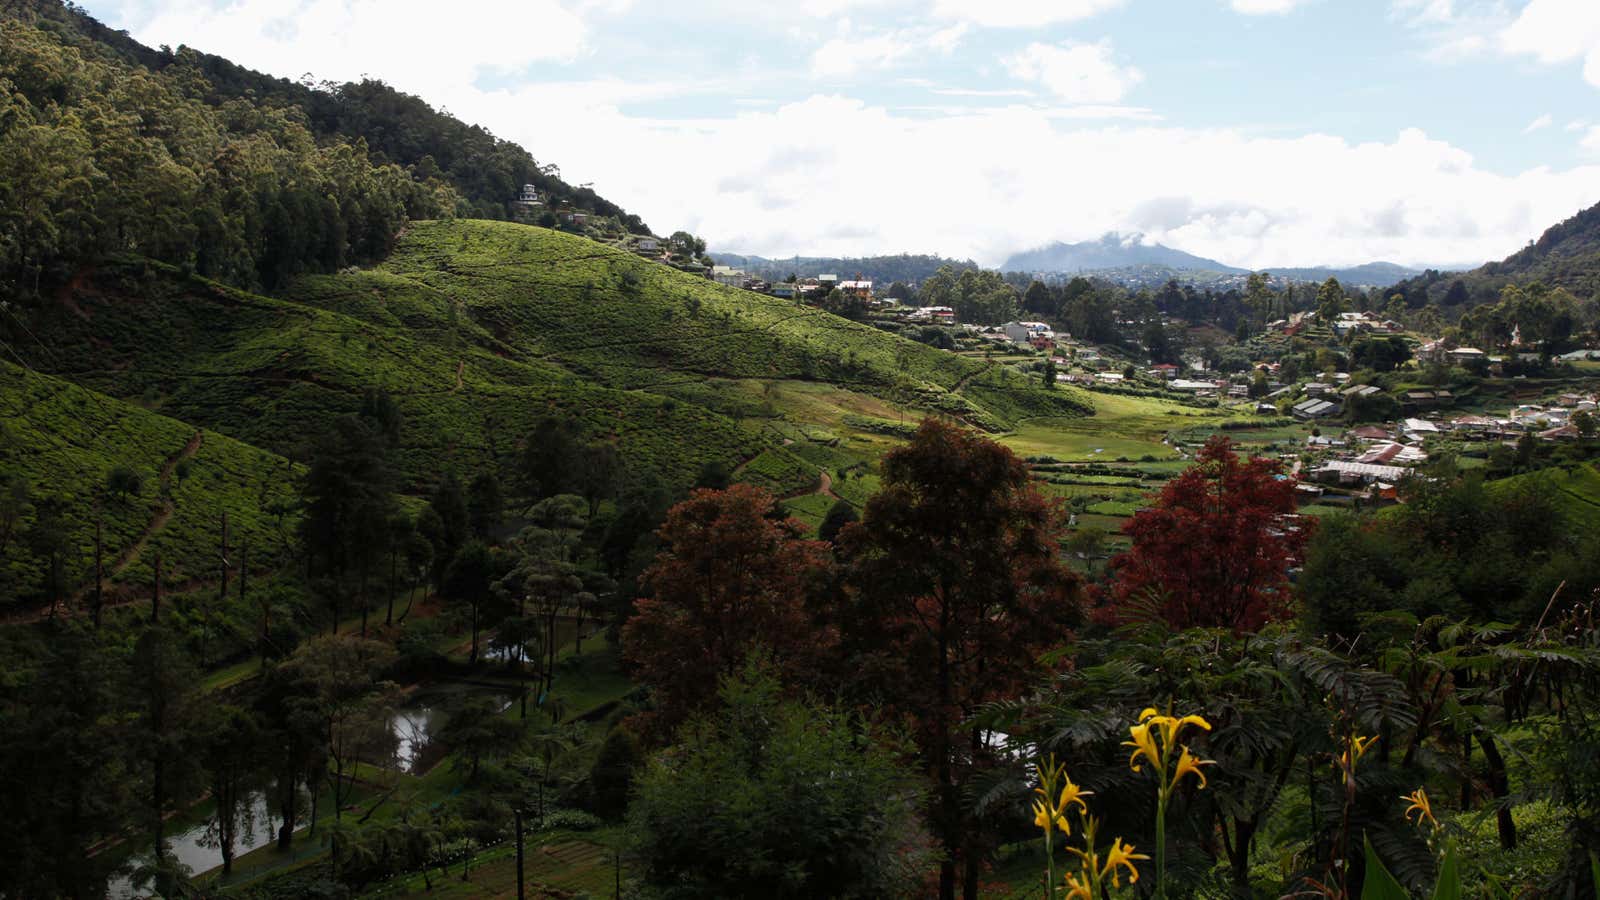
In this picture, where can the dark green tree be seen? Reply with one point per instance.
(705, 824)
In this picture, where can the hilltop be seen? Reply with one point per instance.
(478, 329)
(1112, 251)
(485, 171)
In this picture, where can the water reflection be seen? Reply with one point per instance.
(196, 846)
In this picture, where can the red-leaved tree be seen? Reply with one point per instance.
(1216, 548)
(732, 575)
(955, 586)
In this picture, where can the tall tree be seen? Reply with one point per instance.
(704, 823)
(732, 575)
(485, 508)
(956, 585)
(469, 580)
(347, 502)
(1215, 549)
(230, 744)
(550, 460)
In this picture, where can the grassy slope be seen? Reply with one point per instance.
(64, 439)
(480, 328)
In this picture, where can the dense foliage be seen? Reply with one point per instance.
(101, 158)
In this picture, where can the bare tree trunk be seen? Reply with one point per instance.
(1500, 786)
(155, 594)
(99, 573)
(521, 894)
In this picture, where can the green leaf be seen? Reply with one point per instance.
(1448, 886)
(1380, 885)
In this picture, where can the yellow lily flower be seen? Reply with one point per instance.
(1357, 748)
(1121, 856)
(1188, 763)
(1044, 817)
(1076, 889)
(1171, 726)
(1072, 794)
(1143, 744)
(1421, 806)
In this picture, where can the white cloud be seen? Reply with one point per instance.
(1021, 13)
(1075, 73)
(1590, 142)
(1544, 121)
(853, 52)
(1263, 7)
(1240, 197)
(1558, 31)
(345, 39)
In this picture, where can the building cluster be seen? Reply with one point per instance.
(1372, 459)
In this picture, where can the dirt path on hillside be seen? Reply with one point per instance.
(461, 368)
(130, 555)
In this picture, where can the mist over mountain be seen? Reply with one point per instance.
(908, 267)
(1112, 251)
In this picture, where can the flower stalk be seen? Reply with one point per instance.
(1155, 743)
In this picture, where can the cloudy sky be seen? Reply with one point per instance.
(1259, 132)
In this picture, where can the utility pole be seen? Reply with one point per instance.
(223, 594)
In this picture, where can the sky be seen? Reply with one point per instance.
(1257, 132)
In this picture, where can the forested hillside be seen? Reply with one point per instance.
(485, 171)
(1566, 255)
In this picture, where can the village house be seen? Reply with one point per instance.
(1345, 472)
(728, 275)
(1314, 409)
(1419, 429)
(938, 314)
(862, 289)
(1164, 370)
(785, 289)
(1027, 332)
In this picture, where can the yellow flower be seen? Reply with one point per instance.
(1121, 856)
(1143, 744)
(1187, 763)
(1045, 817)
(1170, 726)
(1076, 889)
(1357, 748)
(1072, 794)
(1421, 806)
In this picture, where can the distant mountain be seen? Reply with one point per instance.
(1375, 274)
(1113, 251)
(907, 267)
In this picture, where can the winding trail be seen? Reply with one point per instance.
(162, 517)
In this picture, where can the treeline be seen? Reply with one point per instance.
(100, 158)
(486, 172)
(910, 268)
